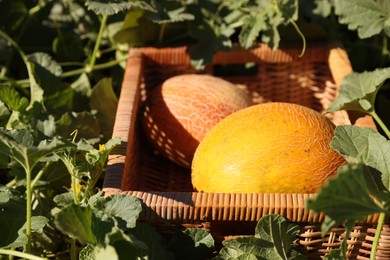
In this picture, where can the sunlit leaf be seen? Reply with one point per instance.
(345, 197)
(111, 7)
(37, 223)
(364, 145)
(368, 17)
(126, 246)
(122, 206)
(248, 246)
(10, 96)
(176, 13)
(104, 253)
(251, 28)
(358, 90)
(18, 144)
(277, 229)
(79, 222)
(88, 253)
(192, 242)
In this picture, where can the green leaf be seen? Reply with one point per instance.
(10, 96)
(121, 206)
(248, 246)
(345, 197)
(12, 207)
(111, 7)
(276, 229)
(107, 252)
(358, 90)
(80, 222)
(165, 12)
(231, 254)
(64, 199)
(264, 21)
(104, 100)
(368, 17)
(37, 223)
(45, 70)
(18, 144)
(88, 253)
(126, 246)
(192, 243)
(45, 61)
(60, 101)
(357, 144)
(153, 239)
(47, 126)
(210, 38)
(253, 25)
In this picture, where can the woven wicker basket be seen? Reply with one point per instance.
(165, 188)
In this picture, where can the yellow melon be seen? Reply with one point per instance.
(267, 148)
(184, 108)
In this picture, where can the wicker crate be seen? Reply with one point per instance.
(165, 188)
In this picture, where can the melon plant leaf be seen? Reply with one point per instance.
(45, 70)
(125, 246)
(176, 12)
(252, 26)
(18, 144)
(107, 252)
(112, 7)
(345, 197)
(12, 207)
(264, 21)
(248, 246)
(227, 253)
(277, 229)
(88, 253)
(10, 96)
(192, 242)
(358, 90)
(368, 17)
(80, 222)
(37, 223)
(357, 144)
(104, 100)
(120, 206)
(152, 238)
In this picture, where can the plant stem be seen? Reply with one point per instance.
(301, 35)
(381, 124)
(28, 210)
(161, 33)
(73, 249)
(39, 175)
(379, 227)
(92, 61)
(96, 67)
(20, 254)
(75, 72)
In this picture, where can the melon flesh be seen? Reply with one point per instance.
(181, 111)
(267, 148)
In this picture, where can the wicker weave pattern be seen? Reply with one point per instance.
(165, 188)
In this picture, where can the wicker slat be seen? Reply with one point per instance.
(165, 188)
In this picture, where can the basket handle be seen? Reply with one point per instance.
(339, 63)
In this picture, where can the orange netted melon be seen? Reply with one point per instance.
(267, 148)
(184, 108)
